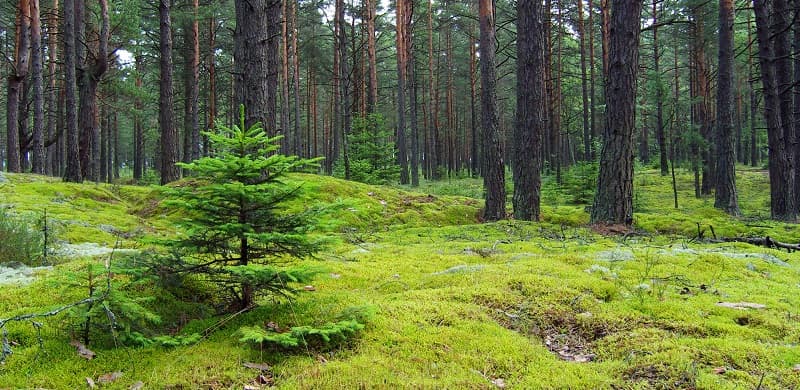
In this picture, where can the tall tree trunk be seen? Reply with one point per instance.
(753, 100)
(73, 169)
(726, 197)
(587, 132)
(102, 173)
(796, 106)
(781, 170)
(613, 202)
(90, 73)
(169, 134)
(703, 115)
(493, 167)
(412, 91)
(117, 155)
(138, 127)
(287, 135)
(531, 109)
(297, 146)
(254, 52)
(660, 137)
(605, 31)
(191, 84)
(53, 131)
(37, 137)
(403, 8)
(592, 116)
(473, 117)
(372, 95)
(346, 87)
(21, 66)
(212, 80)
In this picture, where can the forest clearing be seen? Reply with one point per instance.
(446, 302)
(331, 194)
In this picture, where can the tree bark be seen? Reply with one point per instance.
(37, 136)
(53, 131)
(726, 197)
(212, 80)
(781, 170)
(403, 20)
(372, 95)
(254, 75)
(531, 109)
(73, 169)
(191, 84)
(138, 127)
(493, 167)
(613, 202)
(90, 73)
(346, 87)
(21, 67)
(169, 134)
(660, 137)
(593, 107)
(587, 132)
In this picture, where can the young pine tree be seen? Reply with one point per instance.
(238, 232)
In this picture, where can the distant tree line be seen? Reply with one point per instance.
(99, 90)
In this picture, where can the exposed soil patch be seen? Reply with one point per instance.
(658, 376)
(409, 200)
(612, 229)
(567, 334)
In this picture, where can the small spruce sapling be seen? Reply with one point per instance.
(238, 231)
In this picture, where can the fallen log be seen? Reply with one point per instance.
(765, 242)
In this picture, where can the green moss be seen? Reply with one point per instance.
(459, 305)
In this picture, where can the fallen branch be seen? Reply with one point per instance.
(765, 242)
(758, 241)
(5, 344)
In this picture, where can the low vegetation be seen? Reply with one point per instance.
(412, 292)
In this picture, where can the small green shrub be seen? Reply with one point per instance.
(20, 239)
(371, 152)
(329, 335)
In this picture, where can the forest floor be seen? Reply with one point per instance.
(457, 304)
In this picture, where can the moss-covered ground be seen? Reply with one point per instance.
(456, 304)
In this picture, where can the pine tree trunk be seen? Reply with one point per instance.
(138, 127)
(587, 135)
(346, 88)
(473, 118)
(531, 110)
(593, 107)
(287, 136)
(37, 137)
(781, 170)
(372, 96)
(493, 167)
(412, 93)
(90, 74)
(212, 80)
(169, 134)
(191, 84)
(297, 146)
(753, 100)
(54, 135)
(21, 67)
(660, 137)
(73, 166)
(402, 68)
(613, 202)
(726, 197)
(254, 50)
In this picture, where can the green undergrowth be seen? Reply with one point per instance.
(453, 304)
